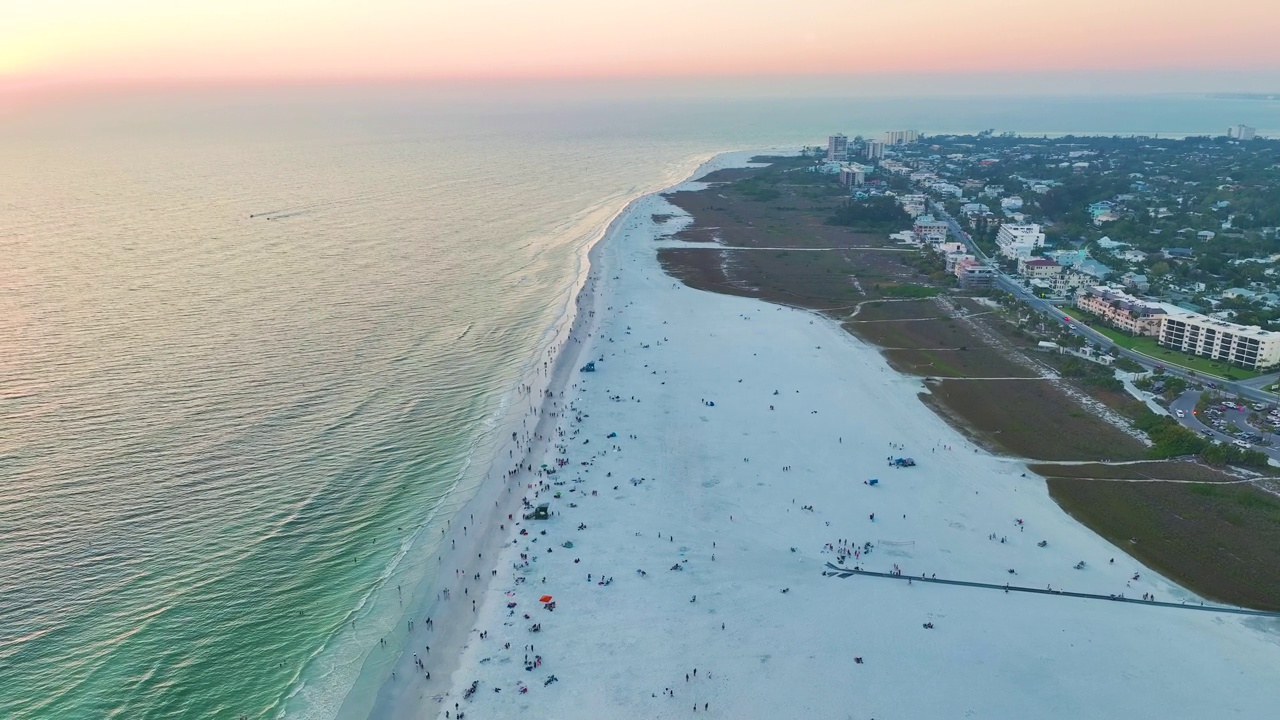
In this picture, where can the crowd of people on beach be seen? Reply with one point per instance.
(561, 457)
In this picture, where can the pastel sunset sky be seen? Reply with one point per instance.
(88, 41)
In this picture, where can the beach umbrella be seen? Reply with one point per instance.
(545, 599)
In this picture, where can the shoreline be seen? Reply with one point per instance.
(451, 627)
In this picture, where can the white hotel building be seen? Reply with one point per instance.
(1017, 241)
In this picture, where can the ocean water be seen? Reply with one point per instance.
(254, 346)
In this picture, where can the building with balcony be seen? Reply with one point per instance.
(1247, 346)
(927, 229)
(1123, 311)
(837, 147)
(901, 137)
(1015, 241)
(1034, 268)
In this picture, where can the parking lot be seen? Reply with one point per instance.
(1249, 426)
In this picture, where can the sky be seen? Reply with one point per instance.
(1230, 46)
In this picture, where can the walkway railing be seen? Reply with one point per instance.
(843, 572)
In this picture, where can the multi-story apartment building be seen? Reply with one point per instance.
(1248, 346)
(899, 137)
(927, 229)
(913, 204)
(1123, 311)
(1017, 241)
(1038, 268)
(1242, 132)
(837, 147)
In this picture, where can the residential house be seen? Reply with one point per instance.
(1093, 269)
(1241, 293)
(1136, 281)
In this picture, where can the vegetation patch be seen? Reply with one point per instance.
(978, 362)
(909, 290)
(1220, 541)
(1032, 419)
(878, 310)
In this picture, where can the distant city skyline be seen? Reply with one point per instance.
(88, 42)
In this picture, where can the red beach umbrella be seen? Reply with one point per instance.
(545, 599)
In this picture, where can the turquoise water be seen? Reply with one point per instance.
(253, 345)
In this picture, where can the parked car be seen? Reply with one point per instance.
(1180, 413)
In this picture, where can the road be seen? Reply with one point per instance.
(1006, 283)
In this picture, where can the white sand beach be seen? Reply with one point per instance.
(714, 460)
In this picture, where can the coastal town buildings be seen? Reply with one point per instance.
(1016, 241)
(854, 175)
(928, 230)
(952, 259)
(914, 205)
(873, 150)
(1242, 132)
(1034, 268)
(975, 276)
(837, 147)
(1248, 346)
(901, 137)
(1123, 311)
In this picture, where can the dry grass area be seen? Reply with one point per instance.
(1031, 419)
(972, 363)
(879, 310)
(822, 280)
(1220, 541)
(945, 333)
(941, 347)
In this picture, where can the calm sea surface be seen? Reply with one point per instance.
(253, 345)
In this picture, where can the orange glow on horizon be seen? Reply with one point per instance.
(89, 41)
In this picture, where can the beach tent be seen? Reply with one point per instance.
(589, 367)
(542, 512)
(873, 481)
